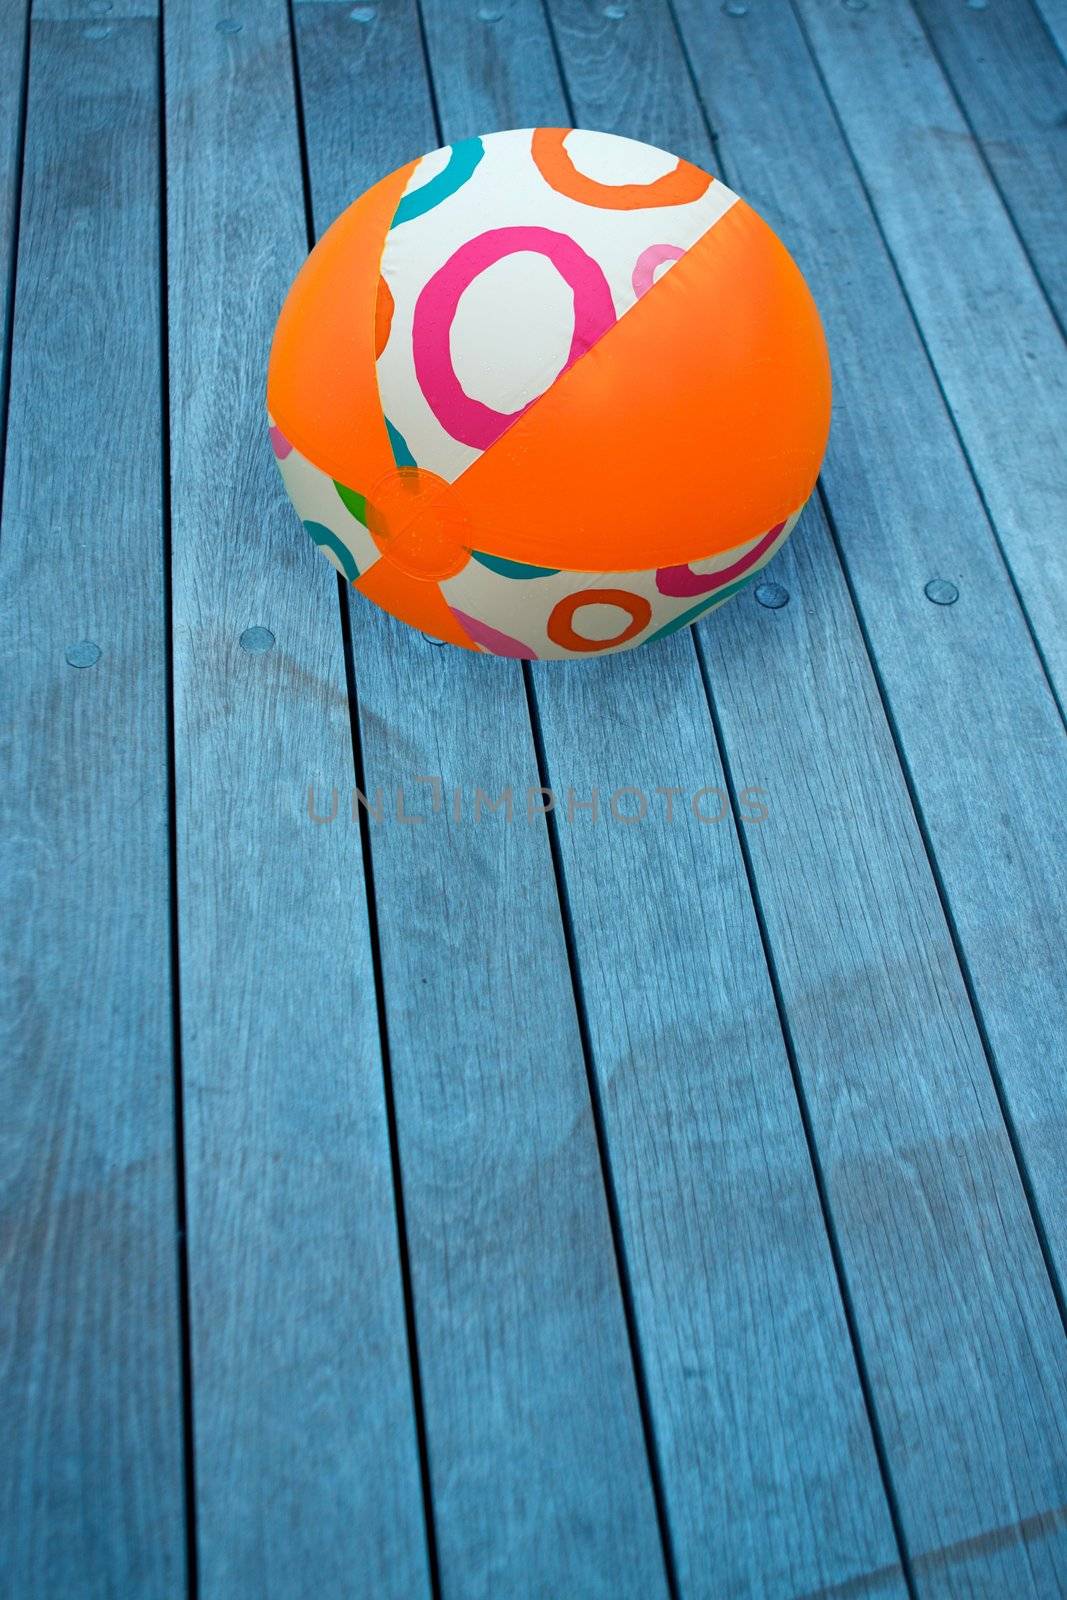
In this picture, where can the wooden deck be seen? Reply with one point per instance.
(558, 1207)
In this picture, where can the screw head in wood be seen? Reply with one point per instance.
(83, 654)
(257, 641)
(772, 595)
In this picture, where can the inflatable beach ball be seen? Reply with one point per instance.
(549, 393)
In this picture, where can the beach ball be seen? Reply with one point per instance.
(549, 393)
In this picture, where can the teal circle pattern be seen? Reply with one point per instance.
(399, 446)
(716, 597)
(325, 538)
(463, 159)
(512, 569)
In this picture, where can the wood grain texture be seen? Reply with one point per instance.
(91, 1496)
(493, 67)
(14, 21)
(1012, 85)
(1053, 14)
(95, 14)
(983, 316)
(307, 1456)
(306, 1448)
(770, 1477)
(769, 1469)
(538, 1465)
(979, 732)
(958, 1325)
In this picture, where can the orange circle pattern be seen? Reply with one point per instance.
(383, 316)
(560, 627)
(678, 188)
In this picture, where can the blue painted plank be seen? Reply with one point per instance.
(1053, 14)
(986, 323)
(1011, 83)
(91, 1492)
(959, 1331)
(977, 727)
(307, 1465)
(770, 1478)
(956, 1316)
(94, 14)
(770, 1473)
(14, 30)
(538, 1464)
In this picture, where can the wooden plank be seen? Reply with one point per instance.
(91, 1495)
(538, 1464)
(95, 14)
(306, 1446)
(769, 1468)
(14, 28)
(955, 1312)
(960, 1335)
(1053, 14)
(1011, 83)
(986, 323)
(769, 1474)
(978, 730)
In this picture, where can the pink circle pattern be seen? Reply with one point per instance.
(500, 644)
(644, 273)
(679, 581)
(464, 418)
